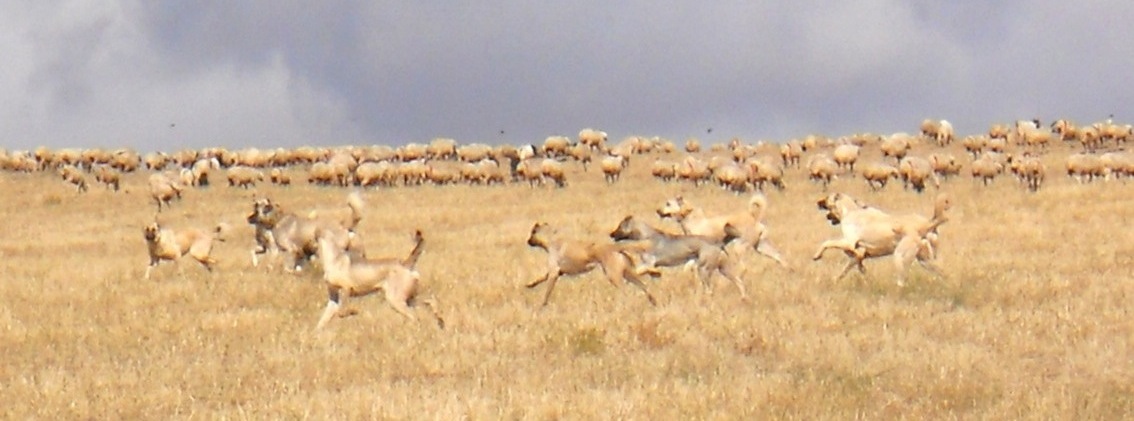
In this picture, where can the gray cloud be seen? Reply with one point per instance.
(119, 73)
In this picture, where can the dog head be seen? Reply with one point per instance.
(538, 237)
(836, 205)
(675, 208)
(628, 229)
(151, 231)
(264, 213)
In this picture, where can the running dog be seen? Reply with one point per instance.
(279, 230)
(169, 244)
(569, 257)
(348, 277)
(669, 250)
(748, 223)
(869, 232)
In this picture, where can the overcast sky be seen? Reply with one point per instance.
(174, 74)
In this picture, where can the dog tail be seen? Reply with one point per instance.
(354, 201)
(411, 260)
(731, 233)
(942, 205)
(757, 205)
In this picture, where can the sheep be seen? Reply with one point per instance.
(765, 170)
(556, 146)
(125, 160)
(552, 169)
(74, 176)
(107, 176)
(474, 152)
(974, 145)
(277, 176)
(998, 131)
(529, 170)
(244, 177)
(441, 148)
(1090, 138)
(442, 173)
(200, 170)
(791, 153)
(915, 171)
(1065, 129)
(664, 170)
(411, 152)
(693, 170)
(731, 177)
(878, 174)
(594, 139)
(580, 153)
(612, 167)
(940, 131)
(692, 145)
(986, 169)
(846, 155)
(163, 189)
(371, 173)
(896, 146)
(413, 173)
(944, 165)
(821, 168)
(1118, 164)
(1030, 171)
(1085, 167)
(155, 161)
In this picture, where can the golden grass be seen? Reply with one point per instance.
(1031, 321)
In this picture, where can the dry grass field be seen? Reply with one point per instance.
(1032, 320)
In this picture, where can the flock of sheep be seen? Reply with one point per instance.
(919, 160)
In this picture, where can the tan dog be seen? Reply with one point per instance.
(568, 257)
(748, 224)
(348, 277)
(279, 230)
(869, 232)
(169, 244)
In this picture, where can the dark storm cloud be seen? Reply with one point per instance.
(281, 73)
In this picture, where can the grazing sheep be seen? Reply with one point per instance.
(411, 152)
(747, 225)
(371, 173)
(1065, 129)
(974, 145)
(107, 176)
(845, 156)
(553, 170)
(441, 148)
(573, 257)
(694, 170)
(277, 176)
(664, 170)
(869, 232)
(200, 170)
(878, 174)
(1118, 164)
(581, 153)
(915, 171)
(556, 146)
(765, 170)
(822, 169)
(692, 145)
(73, 175)
(998, 131)
(612, 167)
(986, 169)
(347, 277)
(1030, 171)
(731, 177)
(1085, 167)
(155, 161)
(791, 153)
(940, 131)
(244, 177)
(896, 145)
(594, 139)
(944, 165)
(163, 189)
(529, 170)
(475, 152)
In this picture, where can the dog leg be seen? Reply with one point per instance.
(538, 281)
(334, 295)
(766, 248)
(398, 302)
(730, 271)
(904, 254)
(551, 280)
(841, 244)
(633, 280)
